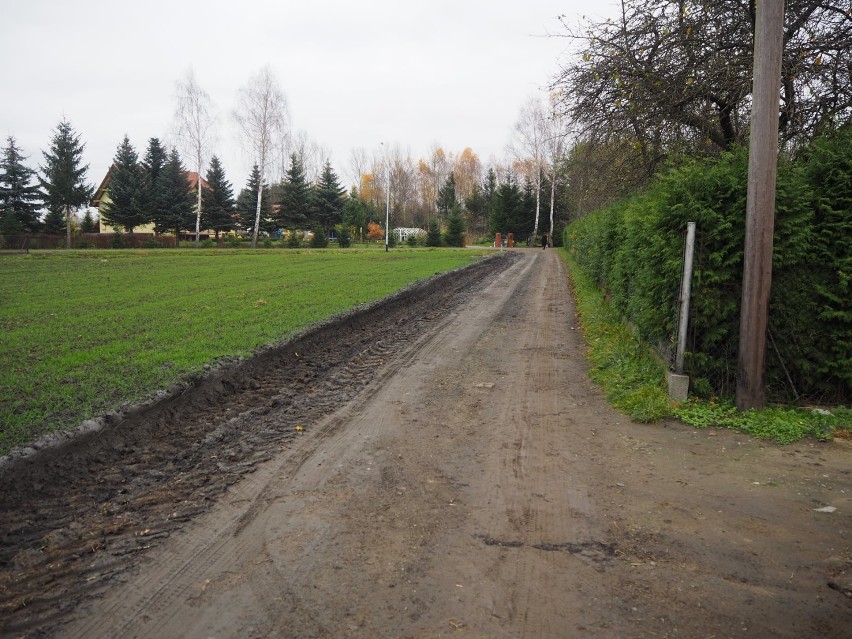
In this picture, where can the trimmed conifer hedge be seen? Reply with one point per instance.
(633, 250)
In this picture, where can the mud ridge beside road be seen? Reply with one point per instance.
(82, 512)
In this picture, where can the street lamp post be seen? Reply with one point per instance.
(387, 209)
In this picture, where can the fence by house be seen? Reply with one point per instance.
(34, 241)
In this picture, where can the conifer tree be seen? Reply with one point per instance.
(88, 225)
(489, 189)
(527, 218)
(155, 159)
(455, 227)
(295, 212)
(475, 205)
(218, 203)
(446, 195)
(356, 213)
(329, 198)
(63, 179)
(18, 198)
(126, 191)
(247, 204)
(54, 221)
(433, 235)
(175, 198)
(507, 208)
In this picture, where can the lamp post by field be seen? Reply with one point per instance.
(387, 191)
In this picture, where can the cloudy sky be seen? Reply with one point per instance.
(407, 73)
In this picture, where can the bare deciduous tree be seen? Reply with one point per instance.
(359, 163)
(194, 129)
(528, 147)
(312, 154)
(403, 183)
(467, 170)
(262, 117)
(677, 74)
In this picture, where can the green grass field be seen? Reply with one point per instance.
(83, 331)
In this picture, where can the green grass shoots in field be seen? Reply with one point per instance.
(82, 332)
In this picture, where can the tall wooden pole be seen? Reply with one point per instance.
(760, 204)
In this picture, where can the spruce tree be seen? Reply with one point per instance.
(329, 199)
(446, 195)
(356, 213)
(455, 227)
(247, 204)
(152, 168)
(217, 201)
(506, 208)
(88, 225)
(295, 211)
(433, 236)
(63, 179)
(176, 202)
(54, 221)
(489, 189)
(476, 207)
(525, 221)
(126, 190)
(18, 198)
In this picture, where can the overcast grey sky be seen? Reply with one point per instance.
(411, 73)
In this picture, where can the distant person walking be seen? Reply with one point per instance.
(544, 241)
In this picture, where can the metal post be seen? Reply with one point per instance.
(387, 212)
(685, 293)
(760, 204)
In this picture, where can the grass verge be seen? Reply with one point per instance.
(635, 382)
(82, 332)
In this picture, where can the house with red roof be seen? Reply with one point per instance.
(101, 198)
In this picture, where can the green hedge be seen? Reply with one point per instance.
(633, 249)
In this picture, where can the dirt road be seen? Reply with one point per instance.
(461, 478)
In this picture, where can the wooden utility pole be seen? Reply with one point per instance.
(760, 204)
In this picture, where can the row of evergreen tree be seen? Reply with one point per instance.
(505, 207)
(157, 190)
(59, 187)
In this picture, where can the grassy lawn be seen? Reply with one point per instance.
(83, 331)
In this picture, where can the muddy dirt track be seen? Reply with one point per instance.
(435, 466)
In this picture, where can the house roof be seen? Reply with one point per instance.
(192, 178)
(99, 193)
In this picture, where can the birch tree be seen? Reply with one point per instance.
(261, 115)
(528, 143)
(194, 126)
(555, 144)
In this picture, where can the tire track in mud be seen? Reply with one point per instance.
(79, 515)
